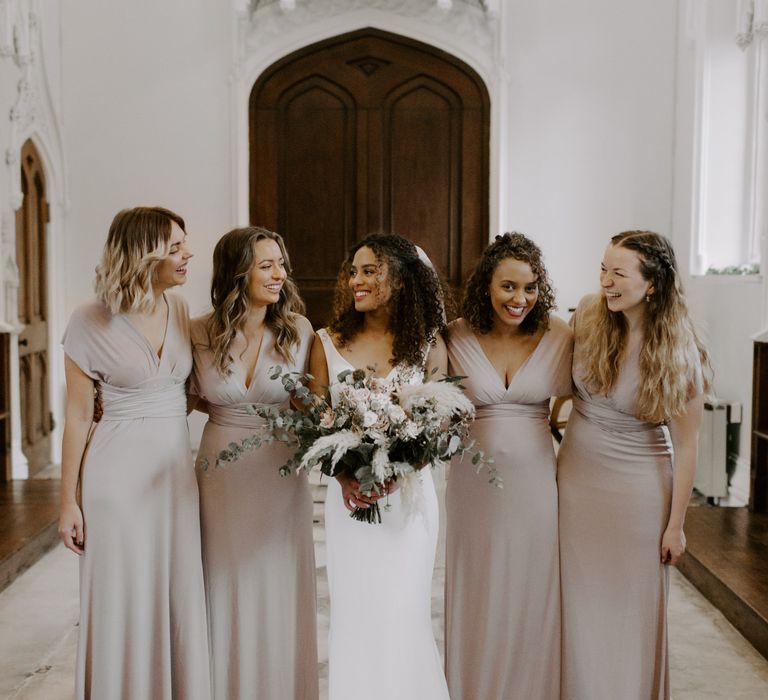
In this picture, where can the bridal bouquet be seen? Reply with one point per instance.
(380, 429)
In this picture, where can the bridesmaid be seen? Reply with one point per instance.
(626, 470)
(502, 592)
(258, 552)
(142, 602)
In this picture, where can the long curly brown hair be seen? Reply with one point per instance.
(416, 312)
(476, 305)
(233, 258)
(666, 370)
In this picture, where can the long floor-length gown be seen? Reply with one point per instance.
(381, 645)
(502, 588)
(615, 485)
(142, 602)
(258, 552)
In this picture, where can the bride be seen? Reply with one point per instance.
(387, 318)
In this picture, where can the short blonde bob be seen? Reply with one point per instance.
(138, 240)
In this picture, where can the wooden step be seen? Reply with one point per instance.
(29, 514)
(727, 560)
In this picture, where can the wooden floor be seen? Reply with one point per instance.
(29, 513)
(727, 560)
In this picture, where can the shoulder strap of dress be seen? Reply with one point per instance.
(325, 339)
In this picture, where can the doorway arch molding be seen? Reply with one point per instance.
(467, 33)
(33, 117)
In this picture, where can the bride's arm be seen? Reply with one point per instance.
(437, 360)
(318, 368)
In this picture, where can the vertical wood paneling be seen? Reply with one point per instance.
(369, 132)
(31, 250)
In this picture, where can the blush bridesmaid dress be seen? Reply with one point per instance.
(258, 551)
(502, 591)
(142, 602)
(615, 484)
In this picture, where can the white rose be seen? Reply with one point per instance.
(369, 418)
(360, 395)
(396, 414)
(410, 429)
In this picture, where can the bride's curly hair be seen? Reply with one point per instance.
(666, 367)
(233, 258)
(416, 310)
(476, 305)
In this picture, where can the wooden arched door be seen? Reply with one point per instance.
(31, 258)
(368, 132)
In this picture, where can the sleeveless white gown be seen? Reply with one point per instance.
(380, 643)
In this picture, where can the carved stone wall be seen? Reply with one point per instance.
(468, 19)
(29, 115)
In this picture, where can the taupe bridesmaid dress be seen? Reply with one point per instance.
(258, 551)
(142, 602)
(615, 484)
(502, 592)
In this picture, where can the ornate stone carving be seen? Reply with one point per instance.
(752, 21)
(469, 19)
(31, 115)
(9, 274)
(16, 30)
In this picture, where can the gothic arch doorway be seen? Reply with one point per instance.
(369, 131)
(31, 258)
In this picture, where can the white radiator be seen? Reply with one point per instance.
(718, 445)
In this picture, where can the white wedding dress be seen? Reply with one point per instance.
(380, 644)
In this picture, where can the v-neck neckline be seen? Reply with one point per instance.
(157, 356)
(248, 385)
(350, 365)
(494, 370)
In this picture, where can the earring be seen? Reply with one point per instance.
(647, 298)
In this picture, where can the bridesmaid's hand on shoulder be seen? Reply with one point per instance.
(71, 528)
(672, 545)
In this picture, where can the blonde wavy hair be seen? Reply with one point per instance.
(233, 259)
(137, 241)
(666, 367)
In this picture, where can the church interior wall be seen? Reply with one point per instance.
(588, 121)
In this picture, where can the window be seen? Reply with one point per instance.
(732, 94)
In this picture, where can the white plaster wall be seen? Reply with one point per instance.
(146, 108)
(584, 110)
(590, 133)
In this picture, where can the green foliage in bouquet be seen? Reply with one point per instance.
(379, 430)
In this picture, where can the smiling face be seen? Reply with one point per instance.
(369, 281)
(267, 274)
(513, 291)
(172, 269)
(621, 280)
